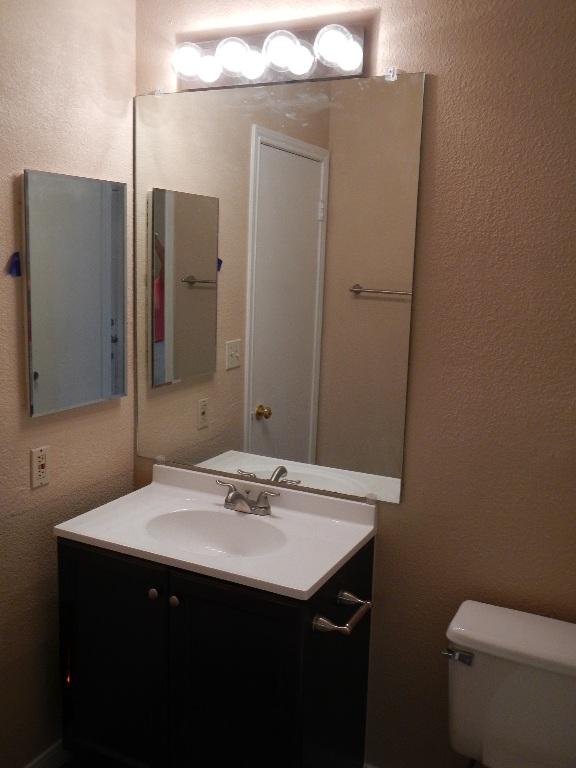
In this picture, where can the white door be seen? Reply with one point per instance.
(285, 287)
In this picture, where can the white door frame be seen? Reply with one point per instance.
(265, 137)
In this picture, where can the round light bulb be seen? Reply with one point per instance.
(254, 65)
(351, 57)
(302, 60)
(209, 69)
(279, 48)
(185, 60)
(231, 53)
(330, 43)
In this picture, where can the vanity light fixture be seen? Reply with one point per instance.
(209, 69)
(231, 53)
(331, 44)
(278, 56)
(302, 61)
(254, 65)
(351, 57)
(185, 60)
(279, 49)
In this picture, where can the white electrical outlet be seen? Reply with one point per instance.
(233, 354)
(39, 467)
(202, 414)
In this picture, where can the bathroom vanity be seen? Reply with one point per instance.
(203, 644)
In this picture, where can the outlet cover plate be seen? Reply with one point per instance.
(202, 414)
(39, 467)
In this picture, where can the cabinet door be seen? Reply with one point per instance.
(235, 677)
(114, 647)
(336, 672)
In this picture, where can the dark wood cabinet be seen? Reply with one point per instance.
(164, 667)
(235, 679)
(114, 656)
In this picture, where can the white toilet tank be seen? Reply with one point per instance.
(512, 688)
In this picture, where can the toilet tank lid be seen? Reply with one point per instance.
(514, 635)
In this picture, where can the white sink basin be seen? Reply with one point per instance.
(180, 520)
(216, 532)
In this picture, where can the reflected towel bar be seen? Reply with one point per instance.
(358, 289)
(191, 280)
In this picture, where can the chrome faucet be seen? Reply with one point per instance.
(240, 502)
(280, 475)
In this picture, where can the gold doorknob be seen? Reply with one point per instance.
(263, 412)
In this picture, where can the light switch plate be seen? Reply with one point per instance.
(233, 354)
(39, 467)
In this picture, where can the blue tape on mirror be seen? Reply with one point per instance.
(13, 267)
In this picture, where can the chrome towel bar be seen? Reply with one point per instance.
(322, 624)
(357, 289)
(191, 280)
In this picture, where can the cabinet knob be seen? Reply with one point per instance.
(173, 601)
(153, 594)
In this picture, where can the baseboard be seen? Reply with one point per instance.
(53, 757)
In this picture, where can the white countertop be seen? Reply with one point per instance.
(317, 534)
(315, 476)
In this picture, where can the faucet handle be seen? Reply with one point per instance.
(263, 496)
(230, 486)
(248, 475)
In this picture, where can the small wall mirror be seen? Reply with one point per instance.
(317, 186)
(184, 271)
(75, 263)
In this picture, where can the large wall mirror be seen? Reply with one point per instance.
(76, 290)
(300, 200)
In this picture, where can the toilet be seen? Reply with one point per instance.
(512, 688)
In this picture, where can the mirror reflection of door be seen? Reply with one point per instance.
(184, 285)
(289, 184)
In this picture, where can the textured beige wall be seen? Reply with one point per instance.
(490, 460)
(490, 481)
(374, 165)
(195, 253)
(66, 82)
